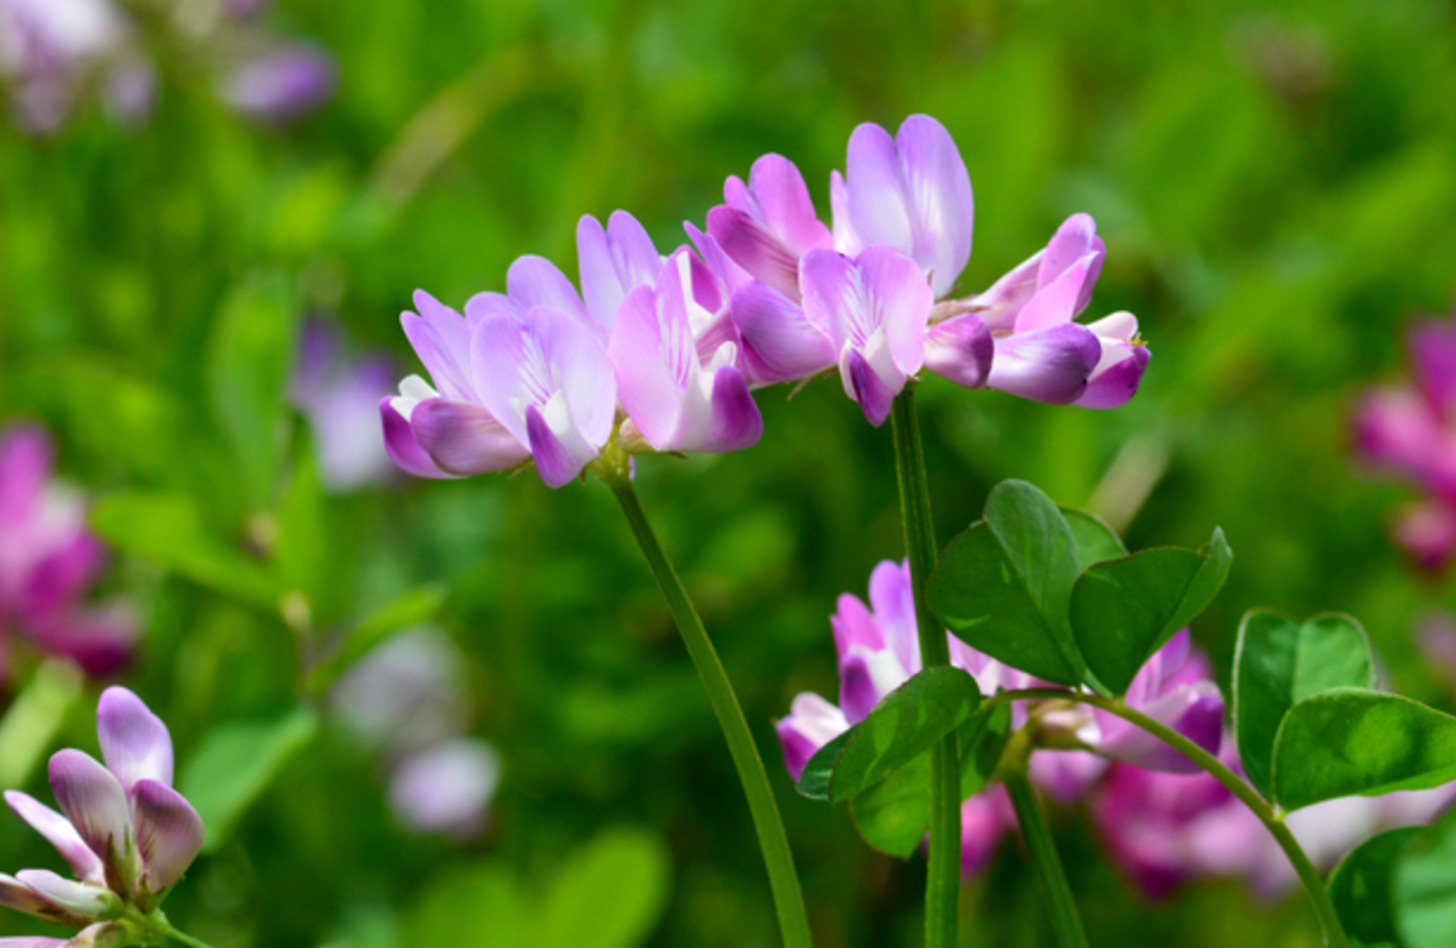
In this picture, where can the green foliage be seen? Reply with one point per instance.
(1360, 888)
(1344, 741)
(1423, 887)
(1279, 663)
(1096, 542)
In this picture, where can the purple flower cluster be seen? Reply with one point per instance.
(53, 51)
(337, 392)
(661, 353)
(879, 650)
(1410, 430)
(48, 562)
(127, 835)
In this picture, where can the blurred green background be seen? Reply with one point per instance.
(1276, 184)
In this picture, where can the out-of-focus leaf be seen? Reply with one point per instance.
(472, 905)
(1360, 888)
(301, 553)
(34, 717)
(1423, 887)
(894, 814)
(982, 738)
(168, 529)
(609, 894)
(236, 764)
(1003, 585)
(1095, 541)
(902, 726)
(1125, 610)
(249, 358)
(1279, 663)
(412, 608)
(1349, 740)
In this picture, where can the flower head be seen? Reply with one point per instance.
(127, 835)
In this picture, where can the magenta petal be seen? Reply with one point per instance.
(134, 742)
(94, 801)
(25, 466)
(788, 211)
(1050, 365)
(865, 386)
(737, 423)
(1428, 533)
(168, 831)
(855, 627)
(858, 690)
(812, 723)
(649, 389)
(899, 300)
(755, 249)
(59, 832)
(1432, 347)
(535, 281)
(939, 189)
(961, 349)
(464, 439)
(1195, 711)
(780, 343)
(555, 464)
(1000, 304)
(985, 820)
(100, 640)
(878, 205)
(1114, 385)
(441, 338)
(400, 443)
(1075, 239)
(1056, 302)
(892, 597)
(64, 574)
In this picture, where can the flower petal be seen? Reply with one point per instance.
(736, 422)
(878, 206)
(961, 349)
(1113, 384)
(650, 391)
(535, 281)
(16, 895)
(863, 384)
(613, 262)
(95, 803)
(84, 901)
(556, 465)
(464, 439)
(788, 212)
(1075, 239)
(1195, 711)
(441, 338)
(896, 292)
(942, 208)
(169, 833)
(59, 832)
(754, 249)
(578, 358)
(25, 466)
(134, 742)
(1056, 302)
(446, 788)
(400, 443)
(1050, 365)
(780, 342)
(812, 722)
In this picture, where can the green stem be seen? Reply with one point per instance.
(789, 901)
(1066, 923)
(1309, 876)
(942, 886)
(154, 929)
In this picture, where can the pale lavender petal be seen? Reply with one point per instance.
(509, 371)
(613, 262)
(1056, 302)
(464, 439)
(755, 249)
(780, 193)
(400, 443)
(490, 303)
(95, 803)
(16, 895)
(737, 423)
(1050, 366)
(134, 742)
(900, 299)
(650, 379)
(578, 358)
(535, 281)
(812, 723)
(447, 788)
(846, 241)
(441, 338)
(282, 84)
(868, 388)
(34, 941)
(1065, 775)
(834, 297)
(729, 274)
(1075, 239)
(555, 463)
(961, 349)
(942, 208)
(1000, 304)
(1113, 384)
(59, 832)
(168, 832)
(878, 204)
(82, 900)
(780, 343)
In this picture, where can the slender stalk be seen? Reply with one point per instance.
(1066, 923)
(1309, 876)
(789, 901)
(942, 886)
(154, 929)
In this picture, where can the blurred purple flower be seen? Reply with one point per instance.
(339, 394)
(446, 788)
(48, 561)
(281, 83)
(1410, 431)
(127, 835)
(47, 50)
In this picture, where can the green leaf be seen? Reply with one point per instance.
(302, 551)
(169, 530)
(1423, 887)
(412, 608)
(814, 781)
(902, 726)
(1349, 740)
(1277, 664)
(1003, 585)
(236, 764)
(1360, 888)
(1125, 610)
(249, 358)
(1096, 542)
(35, 716)
(473, 905)
(982, 739)
(893, 815)
(609, 894)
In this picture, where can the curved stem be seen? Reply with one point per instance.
(1066, 923)
(942, 886)
(1309, 876)
(788, 899)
